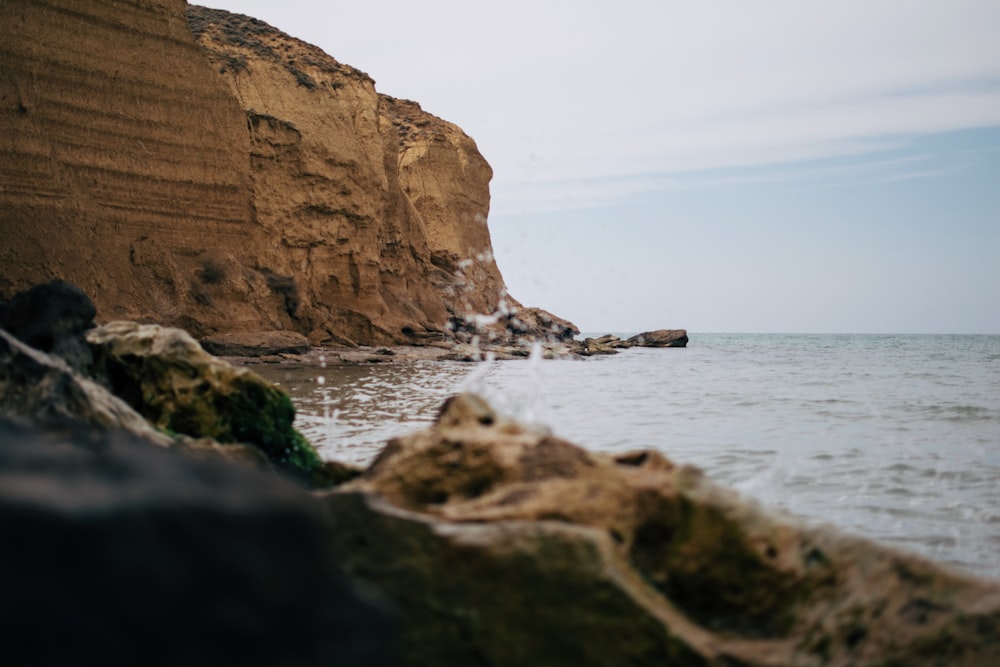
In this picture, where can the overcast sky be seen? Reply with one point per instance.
(725, 166)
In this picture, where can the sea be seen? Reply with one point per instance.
(893, 437)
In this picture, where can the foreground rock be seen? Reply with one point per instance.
(40, 388)
(513, 547)
(52, 318)
(661, 338)
(165, 375)
(119, 553)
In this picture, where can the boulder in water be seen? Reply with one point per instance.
(661, 338)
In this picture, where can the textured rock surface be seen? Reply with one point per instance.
(118, 553)
(250, 184)
(165, 375)
(512, 547)
(256, 344)
(607, 344)
(661, 338)
(41, 387)
(123, 159)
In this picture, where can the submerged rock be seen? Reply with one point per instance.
(661, 338)
(165, 375)
(119, 553)
(511, 546)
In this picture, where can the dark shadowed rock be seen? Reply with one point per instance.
(661, 338)
(52, 318)
(511, 547)
(256, 344)
(118, 553)
(42, 387)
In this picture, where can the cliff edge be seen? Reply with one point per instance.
(202, 169)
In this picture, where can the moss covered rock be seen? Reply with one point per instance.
(509, 546)
(166, 375)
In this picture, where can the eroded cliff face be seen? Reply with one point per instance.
(122, 158)
(245, 181)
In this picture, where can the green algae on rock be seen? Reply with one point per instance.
(166, 375)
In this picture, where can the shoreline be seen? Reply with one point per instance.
(466, 352)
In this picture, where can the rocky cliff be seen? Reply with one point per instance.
(198, 168)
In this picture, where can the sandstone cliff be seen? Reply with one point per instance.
(122, 158)
(245, 181)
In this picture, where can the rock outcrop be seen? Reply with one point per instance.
(246, 182)
(512, 547)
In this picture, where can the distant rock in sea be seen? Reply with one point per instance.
(661, 338)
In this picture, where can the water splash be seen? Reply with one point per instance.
(329, 416)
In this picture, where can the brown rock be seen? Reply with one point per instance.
(661, 338)
(256, 344)
(511, 546)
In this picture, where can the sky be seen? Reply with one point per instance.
(726, 166)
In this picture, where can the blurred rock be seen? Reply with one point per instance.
(661, 338)
(40, 387)
(165, 375)
(510, 547)
(607, 344)
(52, 318)
(119, 553)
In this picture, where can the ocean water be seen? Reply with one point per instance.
(895, 437)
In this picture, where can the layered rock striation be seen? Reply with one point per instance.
(196, 168)
(122, 158)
